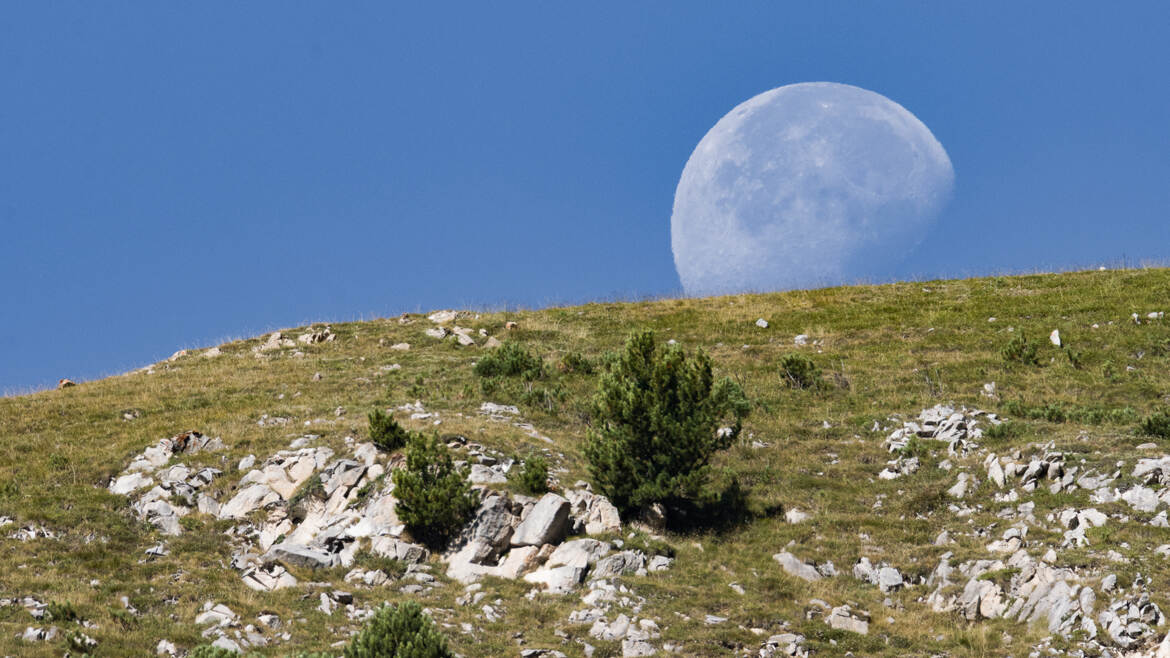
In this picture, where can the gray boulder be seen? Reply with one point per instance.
(298, 555)
(619, 564)
(794, 566)
(547, 523)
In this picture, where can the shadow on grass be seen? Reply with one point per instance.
(729, 509)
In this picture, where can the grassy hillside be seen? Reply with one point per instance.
(883, 351)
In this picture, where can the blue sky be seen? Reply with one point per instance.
(172, 175)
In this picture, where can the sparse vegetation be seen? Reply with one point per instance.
(208, 651)
(434, 497)
(1059, 412)
(1021, 350)
(906, 346)
(659, 414)
(399, 631)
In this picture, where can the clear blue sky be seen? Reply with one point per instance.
(174, 174)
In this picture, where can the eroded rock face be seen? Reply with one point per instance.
(595, 512)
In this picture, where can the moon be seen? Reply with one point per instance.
(806, 185)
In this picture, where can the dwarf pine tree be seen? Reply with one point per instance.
(658, 422)
(400, 631)
(434, 497)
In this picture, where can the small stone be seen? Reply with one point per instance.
(793, 566)
(762, 323)
(1054, 337)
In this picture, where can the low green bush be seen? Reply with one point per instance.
(1156, 424)
(532, 475)
(399, 631)
(800, 372)
(61, 612)
(386, 433)
(574, 362)
(1021, 350)
(510, 360)
(434, 497)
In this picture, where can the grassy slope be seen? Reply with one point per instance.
(900, 347)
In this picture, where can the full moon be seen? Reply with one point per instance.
(806, 185)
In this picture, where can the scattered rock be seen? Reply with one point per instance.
(844, 618)
(794, 566)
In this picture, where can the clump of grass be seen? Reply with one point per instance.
(510, 360)
(310, 489)
(61, 612)
(1001, 577)
(373, 562)
(800, 372)
(575, 362)
(1004, 430)
(366, 491)
(546, 398)
(1156, 424)
(532, 475)
(1021, 350)
(386, 433)
(1058, 412)
(915, 447)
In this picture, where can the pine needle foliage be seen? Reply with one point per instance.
(510, 360)
(659, 414)
(434, 497)
(399, 631)
(532, 477)
(800, 372)
(1021, 350)
(1156, 424)
(386, 433)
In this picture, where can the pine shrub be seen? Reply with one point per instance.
(1156, 424)
(659, 414)
(800, 372)
(400, 631)
(510, 360)
(574, 362)
(1021, 350)
(386, 433)
(434, 497)
(532, 476)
